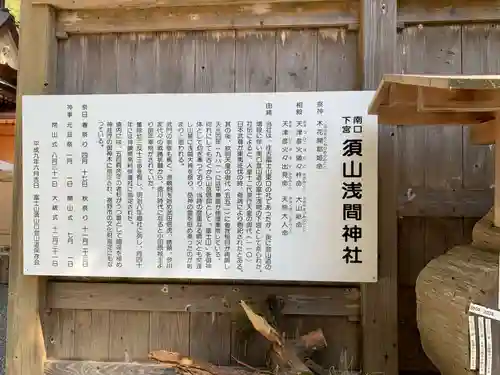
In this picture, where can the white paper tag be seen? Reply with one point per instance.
(489, 347)
(482, 357)
(473, 344)
(484, 311)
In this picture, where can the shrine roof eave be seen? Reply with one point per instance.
(409, 99)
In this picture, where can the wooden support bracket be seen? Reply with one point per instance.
(483, 133)
(397, 114)
(432, 99)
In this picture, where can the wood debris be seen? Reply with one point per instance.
(261, 325)
(310, 342)
(288, 357)
(185, 365)
(182, 364)
(284, 357)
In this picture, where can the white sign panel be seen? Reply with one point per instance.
(213, 186)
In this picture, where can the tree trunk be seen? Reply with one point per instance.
(485, 235)
(445, 288)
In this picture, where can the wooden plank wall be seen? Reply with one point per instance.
(439, 163)
(184, 63)
(444, 182)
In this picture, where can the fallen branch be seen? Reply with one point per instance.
(186, 365)
(182, 363)
(283, 356)
(310, 342)
(316, 368)
(284, 360)
(250, 367)
(261, 325)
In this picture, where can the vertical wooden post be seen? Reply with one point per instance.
(496, 202)
(380, 301)
(38, 48)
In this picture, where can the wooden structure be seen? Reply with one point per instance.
(467, 273)
(93, 46)
(9, 43)
(9, 40)
(53, 323)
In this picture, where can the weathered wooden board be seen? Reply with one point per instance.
(479, 43)
(379, 301)
(447, 11)
(442, 234)
(431, 50)
(411, 355)
(62, 367)
(4, 269)
(297, 14)
(87, 16)
(427, 202)
(129, 320)
(145, 4)
(56, 367)
(411, 254)
(200, 298)
(25, 346)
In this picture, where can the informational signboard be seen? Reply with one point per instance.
(264, 186)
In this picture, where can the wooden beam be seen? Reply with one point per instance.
(410, 116)
(431, 99)
(445, 100)
(25, 344)
(102, 16)
(380, 300)
(496, 204)
(442, 100)
(447, 11)
(65, 367)
(322, 301)
(61, 367)
(448, 82)
(401, 94)
(297, 14)
(143, 4)
(422, 202)
(398, 103)
(410, 12)
(483, 134)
